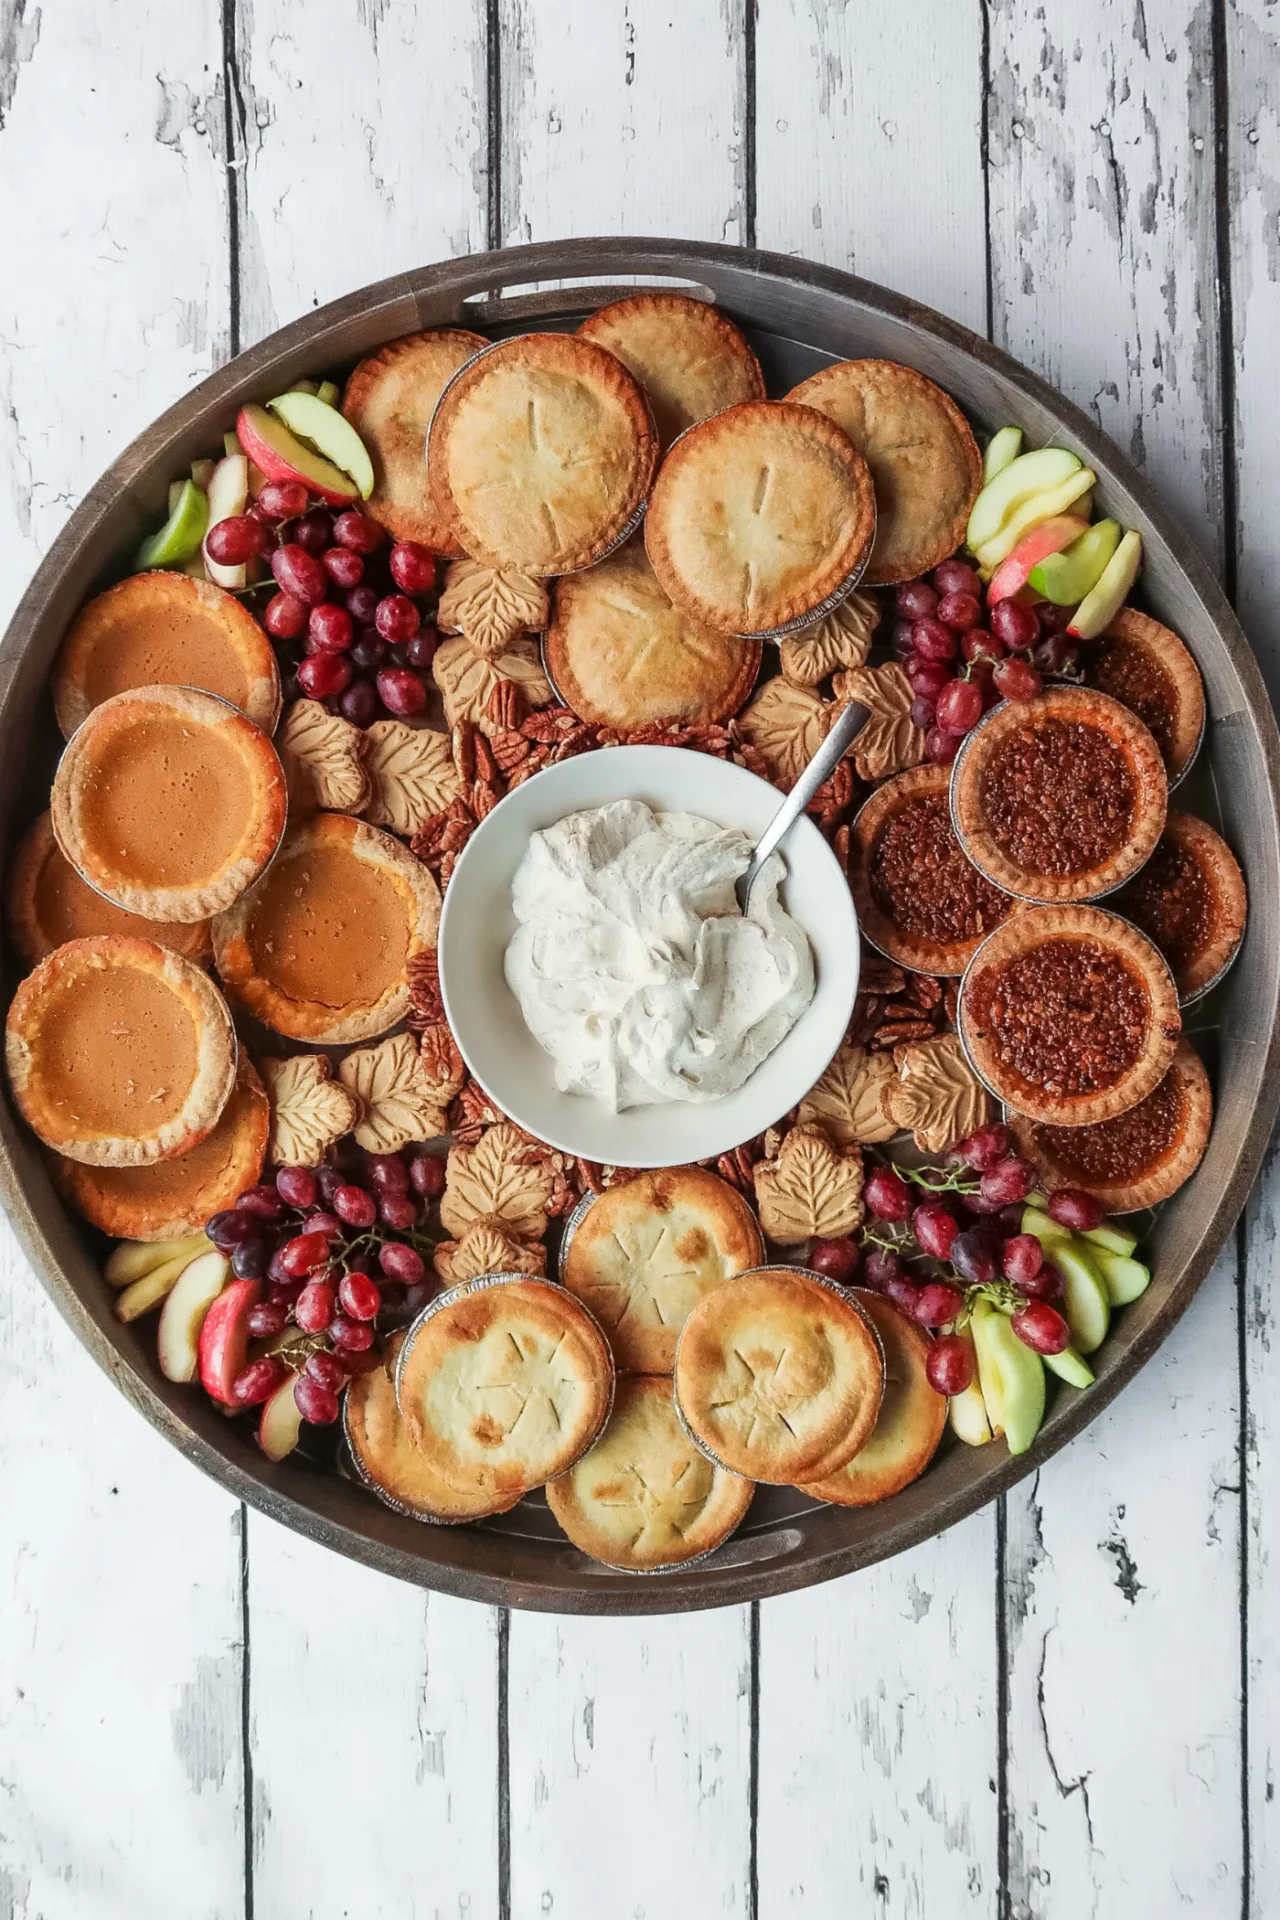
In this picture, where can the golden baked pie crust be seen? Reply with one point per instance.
(689, 359)
(908, 1426)
(39, 866)
(1221, 869)
(389, 400)
(1177, 664)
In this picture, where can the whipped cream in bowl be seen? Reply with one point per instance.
(600, 980)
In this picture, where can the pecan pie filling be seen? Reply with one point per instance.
(922, 881)
(1173, 901)
(1059, 797)
(1132, 675)
(1122, 1149)
(1067, 1016)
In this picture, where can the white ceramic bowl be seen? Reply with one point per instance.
(485, 1016)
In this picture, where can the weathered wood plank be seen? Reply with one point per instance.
(1122, 1570)
(119, 1703)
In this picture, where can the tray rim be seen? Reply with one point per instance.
(43, 1226)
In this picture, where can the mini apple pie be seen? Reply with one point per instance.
(169, 802)
(622, 656)
(644, 1498)
(119, 1052)
(503, 1383)
(389, 400)
(165, 629)
(779, 1376)
(319, 949)
(48, 904)
(645, 1253)
(689, 359)
(908, 1426)
(761, 518)
(541, 451)
(922, 454)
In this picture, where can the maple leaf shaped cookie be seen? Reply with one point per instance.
(501, 1178)
(847, 1102)
(466, 680)
(310, 1110)
(841, 639)
(937, 1094)
(491, 606)
(889, 743)
(399, 1102)
(487, 1248)
(785, 725)
(810, 1191)
(322, 759)
(411, 773)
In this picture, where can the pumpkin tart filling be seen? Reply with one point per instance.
(119, 1051)
(1146, 667)
(1190, 900)
(48, 904)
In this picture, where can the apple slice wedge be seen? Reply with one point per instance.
(228, 491)
(281, 1421)
(182, 1315)
(1051, 536)
(280, 455)
(224, 1338)
(332, 436)
(132, 1258)
(1098, 609)
(182, 532)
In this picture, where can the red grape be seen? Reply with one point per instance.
(327, 1369)
(359, 704)
(935, 1227)
(362, 603)
(397, 1210)
(933, 641)
(1072, 1208)
(257, 1382)
(230, 542)
(357, 531)
(1021, 1258)
(959, 706)
(1008, 1181)
(904, 1294)
(402, 1263)
(350, 1336)
(282, 500)
(916, 599)
(344, 568)
(300, 574)
(835, 1259)
(879, 1267)
(313, 1309)
(422, 649)
(320, 1405)
(960, 611)
(938, 1304)
(323, 1222)
(1045, 1285)
(941, 745)
(984, 1147)
(355, 1207)
(888, 1195)
(900, 636)
(1016, 680)
(923, 712)
(388, 1172)
(284, 617)
(427, 1173)
(401, 691)
(413, 568)
(1015, 624)
(928, 677)
(953, 576)
(1041, 1327)
(321, 675)
(231, 1228)
(262, 1201)
(358, 1296)
(972, 1257)
(397, 618)
(331, 628)
(304, 1253)
(978, 644)
(369, 651)
(950, 1366)
(314, 531)
(249, 1260)
(267, 1318)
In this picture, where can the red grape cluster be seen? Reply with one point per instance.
(348, 618)
(335, 1247)
(962, 657)
(974, 1227)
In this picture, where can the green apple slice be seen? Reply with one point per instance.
(1011, 1377)
(1002, 450)
(1042, 1226)
(1084, 1304)
(1036, 1220)
(181, 534)
(1111, 1239)
(1030, 512)
(1066, 577)
(330, 392)
(967, 1411)
(1070, 1366)
(324, 428)
(1021, 480)
(1098, 609)
(1125, 1280)
(228, 492)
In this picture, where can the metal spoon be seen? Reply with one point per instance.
(823, 764)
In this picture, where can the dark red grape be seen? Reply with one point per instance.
(282, 499)
(401, 691)
(344, 568)
(933, 641)
(313, 532)
(329, 1179)
(249, 1260)
(263, 1202)
(359, 704)
(413, 568)
(941, 745)
(232, 1228)
(984, 1147)
(230, 542)
(357, 531)
(359, 1297)
(879, 1267)
(1015, 624)
(284, 617)
(960, 611)
(331, 627)
(981, 645)
(300, 574)
(422, 649)
(322, 675)
(900, 636)
(935, 1227)
(388, 1172)
(972, 1257)
(267, 1318)
(888, 1195)
(402, 1263)
(369, 651)
(313, 1308)
(954, 576)
(397, 618)
(427, 1173)
(904, 1294)
(1041, 1327)
(959, 706)
(397, 1210)
(257, 1382)
(927, 677)
(327, 1369)
(938, 1304)
(355, 1207)
(923, 712)
(950, 1366)
(1021, 1258)
(304, 1253)
(1045, 1285)
(324, 1221)
(1072, 1208)
(836, 1259)
(1008, 1181)
(317, 1404)
(350, 1336)
(916, 599)
(1017, 680)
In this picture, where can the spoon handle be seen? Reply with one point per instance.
(849, 723)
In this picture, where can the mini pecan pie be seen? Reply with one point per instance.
(1146, 666)
(119, 1052)
(389, 400)
(1061, 797)
(1190, 899)
(165, 629)
(174, 1197)
(910, 1421)
(761, 518)
(542, 449)
(48, 904)
(622, 656)
(1138, 1158)
(919, 900)
(320, 948)
(644, 1497)
(1069, 1015)
(689, 359)
(169, 802)
(922, 455)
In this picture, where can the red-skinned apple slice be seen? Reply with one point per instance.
(224, 1338)
(182, 1316)
(1051, 536)
(280, 455)
(281, 1422)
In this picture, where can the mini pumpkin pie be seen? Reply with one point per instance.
(319, 949)
(761, 518)
(689, 359)
(169, 802)
(1146, 667)
(541, 451)
(622, 656)
(389, 400)
(644, 1498)
(644, 1254)
(174, 1197)
(389, 1463)
(1190, 899)
(503, 1383)
(1069, 1015)
(1140, 1157)
(119, 1052)
(922, 455)
(1061, 797)
(910, 1421)
(48, 904)
(919, 900)
(165, 629)
(778, 1376)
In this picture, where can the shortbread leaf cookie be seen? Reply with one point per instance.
(310, 1110)
(397, 1100)
(809, 1191)
(501, 1178)
(841, 639)
(491, 606)
(467, 680)
(389, 400)
(786, 725)
(890, 741)
(322, 757)
(847, 1102)
(411, 775)
(690, 360)
(487, 1248)
(936, 1094)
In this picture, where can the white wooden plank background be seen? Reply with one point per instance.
(1054, 1710)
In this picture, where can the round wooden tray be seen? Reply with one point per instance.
(799, 317)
